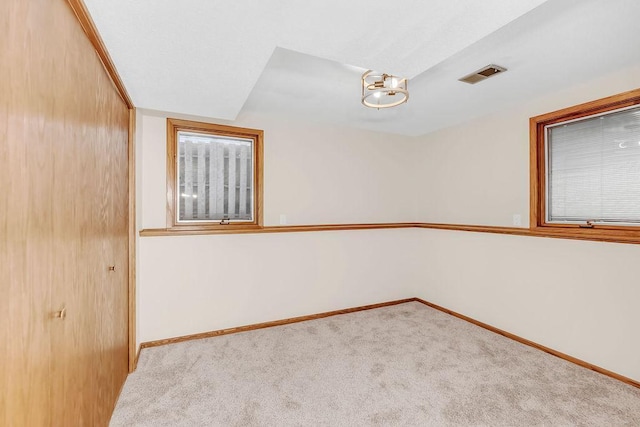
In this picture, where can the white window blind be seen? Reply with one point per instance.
(215, 178)
(593, 169)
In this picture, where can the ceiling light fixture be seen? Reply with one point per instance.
(383, 90)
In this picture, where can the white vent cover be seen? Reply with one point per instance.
(483, 74)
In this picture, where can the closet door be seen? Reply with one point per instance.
(28, 263)
(112, 324)
(27, 266)
(93, 358)
(97, 328)
(63, 222)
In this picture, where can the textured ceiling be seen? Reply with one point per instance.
(203, 57)
(557, 45)
(304, 59)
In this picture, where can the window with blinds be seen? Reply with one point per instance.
(214, 177)
(593, 169)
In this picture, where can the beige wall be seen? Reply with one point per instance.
(194, 284)
(478, 173)
(573, 296)
(314, 175)
(576, 297)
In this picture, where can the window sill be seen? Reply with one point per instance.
(596, 233)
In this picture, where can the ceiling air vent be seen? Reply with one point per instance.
(483, 74)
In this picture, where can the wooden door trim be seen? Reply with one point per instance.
(89, 27)
(132, 239)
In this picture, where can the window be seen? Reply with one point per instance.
(585, 166)
(214, 176)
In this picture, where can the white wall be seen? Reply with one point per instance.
(312, 174)
(478, 173)
(195, 284)
(573, 296)
(576, 297)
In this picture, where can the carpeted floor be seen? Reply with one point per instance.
(400, 365)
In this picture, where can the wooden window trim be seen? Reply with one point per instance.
(537, 220)
(176, 125)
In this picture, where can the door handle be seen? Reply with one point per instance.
(112, 268)
(62, 314)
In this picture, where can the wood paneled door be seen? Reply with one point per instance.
(63, 222)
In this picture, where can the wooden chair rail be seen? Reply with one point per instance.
(631, 236)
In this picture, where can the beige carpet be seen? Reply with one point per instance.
(401, 365)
